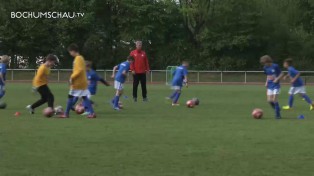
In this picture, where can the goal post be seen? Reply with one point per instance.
(169, 74)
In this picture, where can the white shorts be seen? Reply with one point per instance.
(273, 91)
(176, 87)
(79, 93)
(118, 85)
(297, 90)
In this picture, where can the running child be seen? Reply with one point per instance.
(4, 61)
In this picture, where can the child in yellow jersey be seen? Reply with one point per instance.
(78, 83)
(40, 84)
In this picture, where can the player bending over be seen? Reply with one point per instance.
(297, 85)
(179, 78)
(40, 84)
(3, 71)
(78, 82)
(274, 75)
(93, 79)
(120, 77)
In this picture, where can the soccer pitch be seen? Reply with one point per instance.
(217, 138)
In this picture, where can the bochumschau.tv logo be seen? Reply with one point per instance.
(48, 15)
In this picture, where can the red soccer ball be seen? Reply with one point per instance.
(190, 104)
(79, 109)
(48, 112)
(257, 113)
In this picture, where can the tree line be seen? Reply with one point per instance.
(211, 34)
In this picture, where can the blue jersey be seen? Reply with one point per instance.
(3, 71)
(93, 79)
(178, 76)
(123, 67)
(272, 73)
(292, 73)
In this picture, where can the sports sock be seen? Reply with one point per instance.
(291, 98)
(173, 95)
(277, 109)
(272, 104)
(176, 98)
(116, 101)
(87, 103)
(307, 99)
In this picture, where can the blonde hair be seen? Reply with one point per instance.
(5, 59)
(266, 59)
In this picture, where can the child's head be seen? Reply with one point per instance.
(266, 60)
(89, 65)
(130, 59)
(185, 63)
(73, 49)
(51, 60)
(138, 44)
(5, 59)
(287, 63)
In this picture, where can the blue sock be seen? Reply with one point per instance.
(116, 101)
(69, 106)
(87, 103)
(277, 109)
(272, 104)
(307, 99)
(173, 95)
(176, 98)
(291, 98)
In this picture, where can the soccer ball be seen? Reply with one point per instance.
(3, 105)
(59, 110)
(257, 113)
(48, 112)
(190, 104)
(196, 101)
(79, 109)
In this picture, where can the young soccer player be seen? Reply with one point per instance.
(179, 78)
(120, 77)
(78, 83)
(297, 85)
(40, 84)
(4, 61)
(274, 75)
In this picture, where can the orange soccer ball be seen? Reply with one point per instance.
(190, 104)
(257, 113)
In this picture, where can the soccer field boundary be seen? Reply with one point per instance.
(162, 83)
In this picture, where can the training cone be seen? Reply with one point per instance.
(301, 117)
(17, 114)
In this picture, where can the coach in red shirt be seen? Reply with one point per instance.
(139, 69)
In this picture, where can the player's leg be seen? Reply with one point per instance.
(119, 90)
(50, 98)
(136, 81)
(88, 104)
(177, 96)
(276, 103)
(174, 93)
(270, 98)
(143, 86)
(2, 91)
(291, 99)
(43, 99)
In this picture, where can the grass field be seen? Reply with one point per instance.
(217, 138)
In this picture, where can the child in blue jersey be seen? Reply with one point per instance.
(119, 79)
(297, 85)
(179, 78)
(3, 71)
(274, 75)
(93, 79)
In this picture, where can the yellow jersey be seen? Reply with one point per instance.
(41, 77)
(78, 77)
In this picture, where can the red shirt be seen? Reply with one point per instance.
(140, 64)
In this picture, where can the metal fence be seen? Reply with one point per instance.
(160, 76)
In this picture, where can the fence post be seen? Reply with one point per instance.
(105, 74)
(198, 77)
(128, 76)
(245, 81)
(12, 75)
(221, 77)
(151, 76)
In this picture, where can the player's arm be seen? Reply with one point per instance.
(77, 70)
(281, 74)
(296, 77)
(102, 80)
(147, 64)
(114, 71)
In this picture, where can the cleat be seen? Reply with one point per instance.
(286, 107)
(278, 117)
(91, 116)
(63, 116)
(135, 99)
(30, 109)
(85, 114)
(312, 107)
(145, 99)
(116, 108)
(175, 104)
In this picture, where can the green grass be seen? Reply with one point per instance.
(217, 138)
